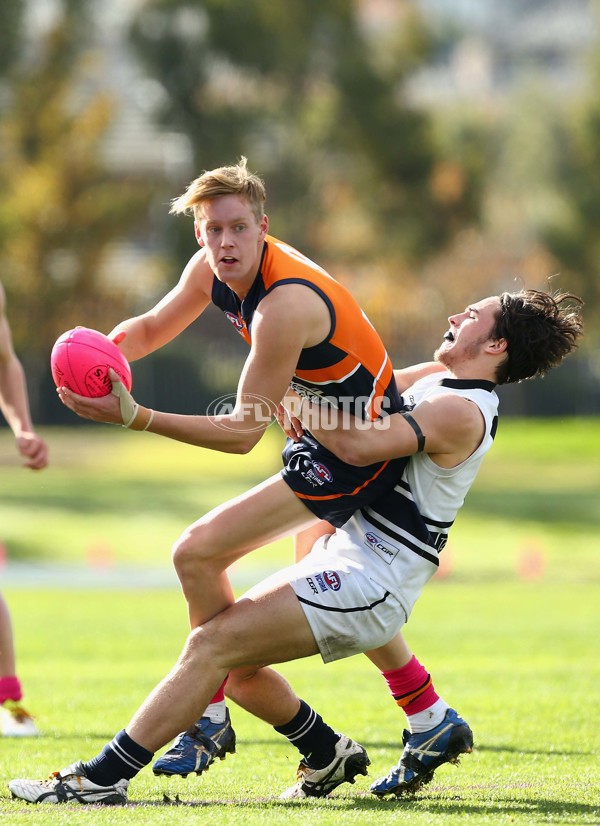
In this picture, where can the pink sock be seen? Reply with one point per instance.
(411, 687)
(10, 689)
(220, 694)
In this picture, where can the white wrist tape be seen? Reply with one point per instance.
(134, 413)
(150, 420)
(127, 405)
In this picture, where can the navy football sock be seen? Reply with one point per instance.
(312, 736)
(120, 759)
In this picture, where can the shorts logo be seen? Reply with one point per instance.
(322, 472)
(237, 322)
(381, 547)
(315, 473)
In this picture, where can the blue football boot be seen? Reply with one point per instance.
(424, 753)
(195, 749)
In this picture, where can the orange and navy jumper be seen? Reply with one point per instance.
(350, 367)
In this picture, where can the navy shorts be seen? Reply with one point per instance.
(331, 489)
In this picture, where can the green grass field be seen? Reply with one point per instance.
(510, 633)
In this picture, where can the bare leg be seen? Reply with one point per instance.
(270, 627)
(14, 720)
(396, 654)
(305, 540)
(208, 547)
(262, 691)
(7, 650)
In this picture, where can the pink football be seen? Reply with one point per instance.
(80, 360)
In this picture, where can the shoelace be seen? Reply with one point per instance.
(17, 711)
(302, 771)
(53, 777)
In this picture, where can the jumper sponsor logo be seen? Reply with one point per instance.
(332, 580)
(312, 585)
(237, 322)
(253, 412)
(382, 547)
(311, 393)
(321, 582)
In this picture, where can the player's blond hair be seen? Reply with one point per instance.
(225, 180)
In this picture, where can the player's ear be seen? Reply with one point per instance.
(197, 234)
(264, 226)
(498, 345)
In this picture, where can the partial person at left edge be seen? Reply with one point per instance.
(15, 721)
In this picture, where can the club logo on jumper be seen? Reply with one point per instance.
(382, 547)
(329, 581)
(237, 321)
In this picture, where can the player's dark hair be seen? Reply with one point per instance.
(540, 329)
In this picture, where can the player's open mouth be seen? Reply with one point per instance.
(228, 259)
(449, 336)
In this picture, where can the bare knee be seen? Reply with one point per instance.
(194, 548)
(238, 679)
(207, 647)
(198, 650)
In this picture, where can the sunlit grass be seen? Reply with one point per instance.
(503, 653)
(509, 631)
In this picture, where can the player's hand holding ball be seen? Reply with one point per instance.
(93, 379)
(130, 410)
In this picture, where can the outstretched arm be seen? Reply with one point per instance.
(141, 335)
(279, 332)
(14, 401)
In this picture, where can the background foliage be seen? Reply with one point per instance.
(418, 207)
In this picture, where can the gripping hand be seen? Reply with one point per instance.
(129, 407)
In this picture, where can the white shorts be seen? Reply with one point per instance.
(348, 612)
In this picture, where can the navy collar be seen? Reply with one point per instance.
(468, 384)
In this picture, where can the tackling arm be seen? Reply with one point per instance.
(407, 376)
(452, 427)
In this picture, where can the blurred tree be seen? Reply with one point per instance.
(11, 33)
(59, 206)
(572, 235)
(313, 93)
(315, 99)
